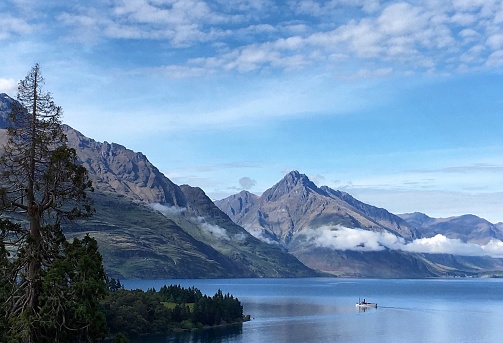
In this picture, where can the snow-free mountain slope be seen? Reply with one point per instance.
(468, 228)
(149, 227)
(295, 204)
(331, 231)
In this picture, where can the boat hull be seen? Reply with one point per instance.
(366, 305)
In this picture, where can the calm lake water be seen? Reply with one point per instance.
(323, 310)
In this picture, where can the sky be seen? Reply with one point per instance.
(398, 103)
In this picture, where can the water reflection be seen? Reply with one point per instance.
(214, 335)
(323, 310)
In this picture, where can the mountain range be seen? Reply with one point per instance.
(149, 227)
(333, 232)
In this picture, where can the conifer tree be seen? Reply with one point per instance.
(42, 180)
(5, 283)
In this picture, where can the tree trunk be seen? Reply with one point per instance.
(34, 264)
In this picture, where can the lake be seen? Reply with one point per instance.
(323, 310)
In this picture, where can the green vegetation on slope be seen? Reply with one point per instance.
(138, 242)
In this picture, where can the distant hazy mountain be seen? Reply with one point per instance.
(330, 230)
(468, 228)
(149, 227)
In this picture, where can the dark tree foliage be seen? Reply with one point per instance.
(41, 179)
(179, 295)
(172, 307)
(114, 285)
(71, 292)
(135, 313)
(120, 338)
(5, 279)
(216, 310)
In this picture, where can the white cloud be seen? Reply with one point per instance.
(174, 211)
(215, 230)
(176, 13)
(495, 41)
(327, 8)
(494, 248)
(473, 55)
(240, 236)
(469, 35)
(343, 238)
(8, 86)
(470, 5)
(259, 233)
(495, 59)
(415, 35)
(14, 26)
(440, 244)
(401, 19)
(167, 211)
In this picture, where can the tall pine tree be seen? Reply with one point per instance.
(42, 180)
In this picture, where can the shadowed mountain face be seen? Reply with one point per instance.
(149, 227)
(329, 230)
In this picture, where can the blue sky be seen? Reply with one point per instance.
(398, 103)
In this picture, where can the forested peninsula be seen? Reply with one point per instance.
(170, 309)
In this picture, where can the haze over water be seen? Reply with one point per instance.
(323, 310)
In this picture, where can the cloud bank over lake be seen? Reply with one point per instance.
(342, 238)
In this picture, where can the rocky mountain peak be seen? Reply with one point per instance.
(417, 219)
(5, 108)
(5, 101)
(293, 181)
(116, 169)
(237, 205)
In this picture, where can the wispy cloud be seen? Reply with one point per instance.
(262, 235)
(207, 228)
(215, 230)
(450, 170)
(426, 36)
(247, 182)
(13, 26)
(423, 36)
(167, 210)
(343, 238)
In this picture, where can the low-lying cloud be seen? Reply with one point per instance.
(211, 229)
(167, 210)
(214, 230)
(342, 238)
(260, 234)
